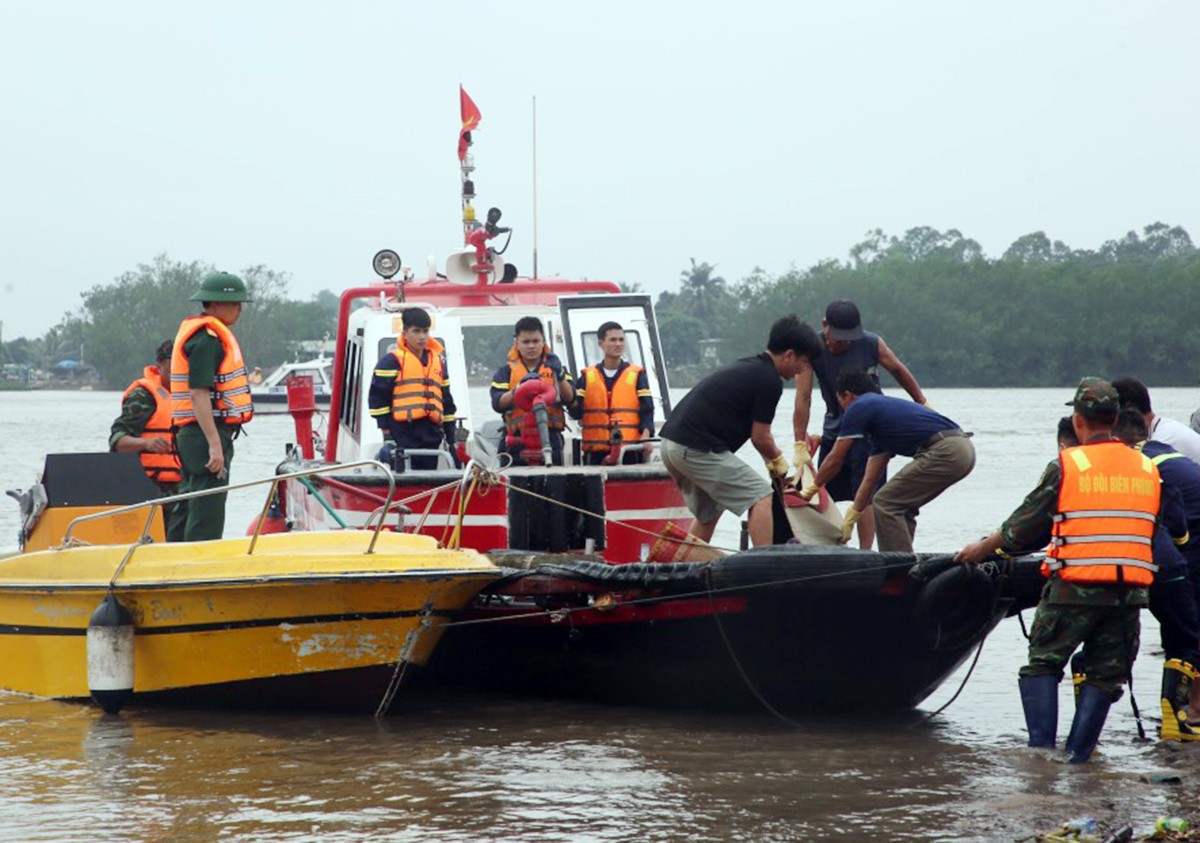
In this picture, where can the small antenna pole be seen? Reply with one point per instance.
(535, 268)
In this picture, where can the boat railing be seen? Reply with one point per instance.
(444, 460)
(155, 504)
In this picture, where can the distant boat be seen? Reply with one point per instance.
(271, 395)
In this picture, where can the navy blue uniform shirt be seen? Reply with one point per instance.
(895, 425)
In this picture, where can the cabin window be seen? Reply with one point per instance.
(634, 353)
(352, 387)
(388, 343)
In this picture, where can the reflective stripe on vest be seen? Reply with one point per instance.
(417, 391)
(230, 391)
(1108, 503)
(514, 417)
(1170, 455)
(161, 468)
(607, 413)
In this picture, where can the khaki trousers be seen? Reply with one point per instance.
(930, 473)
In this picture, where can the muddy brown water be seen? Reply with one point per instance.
(484, 767)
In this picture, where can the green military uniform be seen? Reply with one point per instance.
(1068, 610)
(1112, 531)
(136, 410)
(204, 518)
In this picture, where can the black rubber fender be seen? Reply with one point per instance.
(808, 567)
(955, 607)
(1021, 581)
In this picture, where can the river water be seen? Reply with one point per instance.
(496, 768)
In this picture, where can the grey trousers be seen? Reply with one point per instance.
(930, 473)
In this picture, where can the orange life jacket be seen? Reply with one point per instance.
(161, 468)
(417, 393)
(514, 417)
(605, 412)
(231, 402)
(1107, 506)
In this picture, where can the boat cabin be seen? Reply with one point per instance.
(614, 510)
(571, 321)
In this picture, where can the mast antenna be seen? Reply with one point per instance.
(535, 268)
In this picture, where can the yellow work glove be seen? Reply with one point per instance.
(848, 522)
(778, 467)
(809, 491)
(801, 456)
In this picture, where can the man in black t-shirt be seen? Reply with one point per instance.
(735, 403)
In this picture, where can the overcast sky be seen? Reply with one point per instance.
(306, 136)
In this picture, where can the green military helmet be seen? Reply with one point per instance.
(221, 286)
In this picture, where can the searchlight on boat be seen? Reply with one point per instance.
(386, 263)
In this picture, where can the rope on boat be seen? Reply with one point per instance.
(485, 480)
(456, 536)
(496, 479)
(566, 611)
(992, 570)
(961, 685)
(749, 683)
(307, 484)
(403, 661)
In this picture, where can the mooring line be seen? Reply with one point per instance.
(664, 597)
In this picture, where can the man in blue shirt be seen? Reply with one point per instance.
(846, 346)
(941, 456)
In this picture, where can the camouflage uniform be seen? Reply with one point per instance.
(136, 409)
(1104, 617)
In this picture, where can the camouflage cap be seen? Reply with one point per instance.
(1095, 398)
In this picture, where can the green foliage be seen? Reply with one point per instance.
(1041, 315)
(122, 323)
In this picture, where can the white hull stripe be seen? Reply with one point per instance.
(662, 514)
(356, 518)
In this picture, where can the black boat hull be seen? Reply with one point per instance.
(792, 628)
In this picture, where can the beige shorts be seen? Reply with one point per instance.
(713, 482)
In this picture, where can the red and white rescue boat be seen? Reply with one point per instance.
(615, 511)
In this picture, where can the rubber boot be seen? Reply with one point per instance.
(1090, 714)
(1039, 698)
(1078, 672)
(1178, 676)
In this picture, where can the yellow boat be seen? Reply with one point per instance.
(294, 620)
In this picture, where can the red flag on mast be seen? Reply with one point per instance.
(470, 119)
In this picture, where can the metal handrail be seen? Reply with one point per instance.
(156, 503)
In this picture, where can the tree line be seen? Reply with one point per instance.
(1041, 314)
(121, 323)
